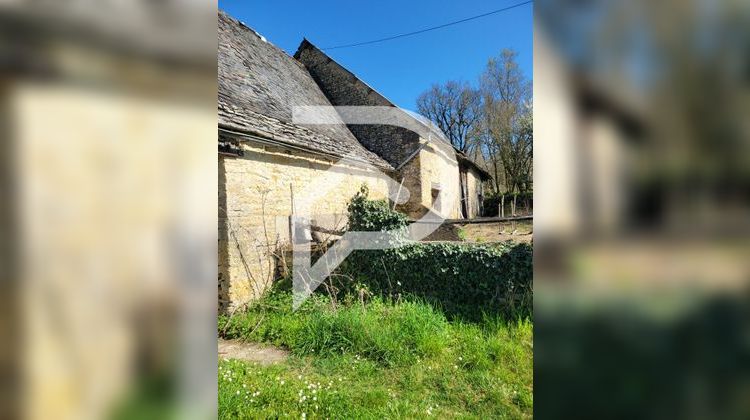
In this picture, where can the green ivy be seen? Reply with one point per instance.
(367, 215)
(462, 278)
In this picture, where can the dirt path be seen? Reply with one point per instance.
(252, 352)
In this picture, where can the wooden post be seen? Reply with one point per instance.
(502, 205)
(514, 204)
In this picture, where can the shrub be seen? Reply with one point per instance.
(367, 215)
(461, 234)
(465, 279)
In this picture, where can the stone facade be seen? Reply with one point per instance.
(257, 194)
(474, 192)
(435, 168)
(439, 177)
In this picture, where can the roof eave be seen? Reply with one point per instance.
(251, 135)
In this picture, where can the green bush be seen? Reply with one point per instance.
(367, 215)
(461, 234)
(464, 279)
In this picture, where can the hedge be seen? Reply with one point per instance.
(464, 279)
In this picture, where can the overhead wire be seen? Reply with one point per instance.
(357, 44)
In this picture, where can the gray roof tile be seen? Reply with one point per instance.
(259, 84)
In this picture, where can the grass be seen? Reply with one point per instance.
(374, 360)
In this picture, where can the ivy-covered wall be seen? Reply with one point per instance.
(463, 278)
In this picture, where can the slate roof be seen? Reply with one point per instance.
(316, 55)
(259, 84)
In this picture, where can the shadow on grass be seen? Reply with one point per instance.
(477, 312)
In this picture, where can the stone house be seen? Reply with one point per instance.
(268, 164)
(415, 160)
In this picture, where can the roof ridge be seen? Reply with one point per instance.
(305, 43)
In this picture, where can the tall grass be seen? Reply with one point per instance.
(390, 334)
(380, 359)
(382, 331)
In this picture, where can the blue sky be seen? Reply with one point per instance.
(400, 69)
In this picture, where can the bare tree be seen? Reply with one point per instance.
(492, 124)
(455, 107)
(506, 130)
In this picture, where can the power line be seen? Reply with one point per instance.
(429, 29)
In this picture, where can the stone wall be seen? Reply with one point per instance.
(256, 196)
(439, 168)
(434, 167)
(474, 188)
(410, 180)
